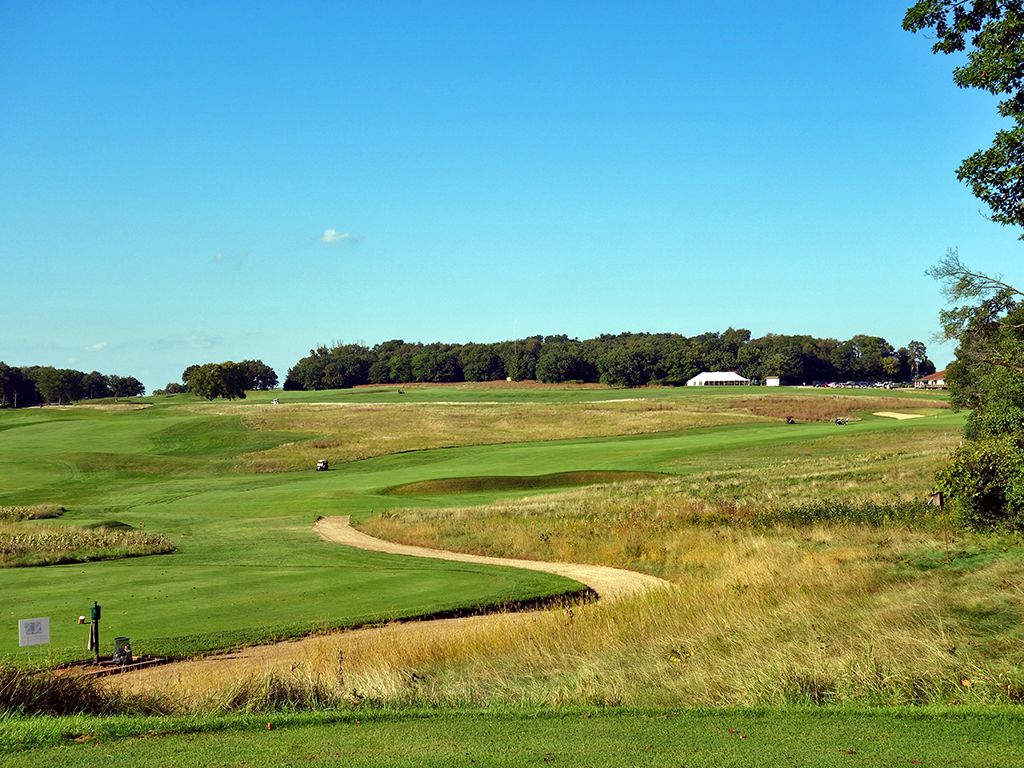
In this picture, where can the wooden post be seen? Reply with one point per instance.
(937, 499)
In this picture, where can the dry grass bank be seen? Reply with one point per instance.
(817, 615)
(31, 512)
(22, 544)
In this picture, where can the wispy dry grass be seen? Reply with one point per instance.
(816, 615)
(30, 512)
(47, 544)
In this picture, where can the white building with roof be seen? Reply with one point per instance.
(717, 379)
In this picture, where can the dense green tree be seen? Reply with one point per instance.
(481, 362)
(340, 367)
(629, 365)
(59, 385)
(384, 354)
(95, 386)
(986, 320)
(16, 389)
(173, 388)
(990, 32)
(565, 361)
(259, 375)
(125, 386)
(346, 365)
(437, 363)
(520, 357)
(212, 380)
(626, 359)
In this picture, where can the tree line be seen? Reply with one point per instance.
(38, 384)
(625, 359)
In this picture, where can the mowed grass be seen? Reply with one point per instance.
(348, 432)
(965, 738)
(247, 566)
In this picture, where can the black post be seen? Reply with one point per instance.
(94, 631)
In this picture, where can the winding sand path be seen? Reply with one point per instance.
(210, 673)
(608, 583)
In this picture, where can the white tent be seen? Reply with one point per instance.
(716, 379)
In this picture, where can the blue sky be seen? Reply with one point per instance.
(481, 171)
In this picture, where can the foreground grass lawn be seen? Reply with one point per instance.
(589, 739)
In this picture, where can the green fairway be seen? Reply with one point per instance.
(588, 739)
(248, 566)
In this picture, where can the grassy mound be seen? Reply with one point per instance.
(453, 485)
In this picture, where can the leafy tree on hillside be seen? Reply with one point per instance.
(95, 386)
(59, 385)
(260, 376)
(125, 386)
(339, 367)
(986, 319)
(172, 388)
(16, 389)
(212, 380)
(187, 373)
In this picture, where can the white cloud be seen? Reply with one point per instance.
(99, 345)
(333, 236)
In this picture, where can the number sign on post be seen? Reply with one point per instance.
(33, 631)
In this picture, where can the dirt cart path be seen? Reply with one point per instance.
(208, 674)
(609, 583)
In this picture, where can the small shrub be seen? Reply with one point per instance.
(985, 479)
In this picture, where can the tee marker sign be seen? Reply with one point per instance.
(33, 631)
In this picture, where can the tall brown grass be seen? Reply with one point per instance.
(822, 614)
(55, 693)
(47, 544)
(30, 512)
